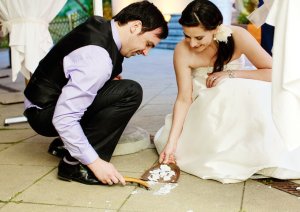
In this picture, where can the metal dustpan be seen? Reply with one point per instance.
(162, 173)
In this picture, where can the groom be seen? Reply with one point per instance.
(72, 93)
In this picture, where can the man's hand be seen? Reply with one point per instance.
(106, 172)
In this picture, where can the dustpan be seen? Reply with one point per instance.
(162, 173)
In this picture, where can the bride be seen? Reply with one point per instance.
(221, 127)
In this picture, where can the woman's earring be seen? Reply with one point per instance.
(214, 37)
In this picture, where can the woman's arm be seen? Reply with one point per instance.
(182, 103)
(246, 44)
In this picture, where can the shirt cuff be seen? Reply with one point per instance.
(88, 156)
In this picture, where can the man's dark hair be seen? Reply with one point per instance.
(147, 13)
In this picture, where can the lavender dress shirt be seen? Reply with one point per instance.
(86, 76)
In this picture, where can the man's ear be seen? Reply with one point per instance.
(135, 26)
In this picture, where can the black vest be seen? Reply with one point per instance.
(47, 82)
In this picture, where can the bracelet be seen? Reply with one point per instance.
(230, 73)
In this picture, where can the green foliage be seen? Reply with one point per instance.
(77, 5)
(4, 42)
(107, 10)
(249, 7)
(242, 18)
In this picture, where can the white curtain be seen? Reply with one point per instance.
(27, 21)
(285, 16)
(225, 6)
(98, 8)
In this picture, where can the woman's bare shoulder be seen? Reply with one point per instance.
(181, 46)
(182, 55)
(237, 29)
(239, 33)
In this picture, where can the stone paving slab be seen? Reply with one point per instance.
(17, 178)
(13, 135)
(1, 205)
(17, 86)
(27, 207)
(190, 194)
(137, 162)
(75, 194)
(11, 111)
(259, 197)
(151, 123)
(26, 153)
(11, 98)
(4, 146)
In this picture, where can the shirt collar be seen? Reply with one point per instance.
(115, 34)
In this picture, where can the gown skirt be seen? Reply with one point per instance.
(228, 134)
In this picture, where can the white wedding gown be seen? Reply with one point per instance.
(228, 134)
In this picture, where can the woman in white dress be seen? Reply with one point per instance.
(221, 127)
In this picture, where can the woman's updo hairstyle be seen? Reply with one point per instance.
(205, 14)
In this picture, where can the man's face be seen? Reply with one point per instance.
(137, 43)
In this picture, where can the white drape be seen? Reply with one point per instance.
(98, 7)
(27, 21)
(258, 17)
(285, 16)
(225, 6)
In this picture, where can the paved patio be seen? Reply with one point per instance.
(28, 179)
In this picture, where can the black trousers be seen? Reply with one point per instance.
(105, 119)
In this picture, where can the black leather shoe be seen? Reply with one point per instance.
(79, 173)
(57, 148)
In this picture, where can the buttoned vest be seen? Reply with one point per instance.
(46, 83)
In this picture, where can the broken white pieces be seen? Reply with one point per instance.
(164, 172)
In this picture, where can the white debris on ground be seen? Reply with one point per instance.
(107, 205)
(151, 183)
(298, 188)
(161, 174)
(164, 172)
(135, 192)
(156, 188)
(165, 189)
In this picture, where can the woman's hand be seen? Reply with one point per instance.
(168, 154)
(214, 78)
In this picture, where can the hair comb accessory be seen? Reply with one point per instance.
(197, 19)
